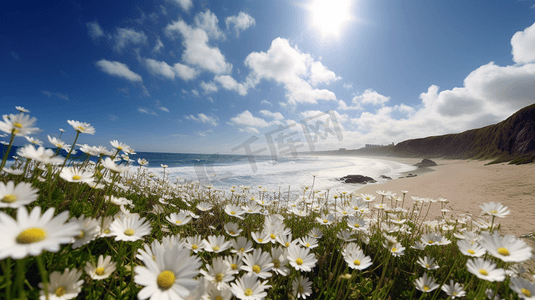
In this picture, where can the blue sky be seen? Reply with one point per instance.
(208, 76)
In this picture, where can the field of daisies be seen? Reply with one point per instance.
(102, 226)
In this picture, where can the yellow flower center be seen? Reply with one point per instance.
(178, 222)
(31, 235)
(129, 232)
(232, 212)
(299, 261)
(345, 212)
(308, 245)
(272, 236)
(503, 251)
(426, 288)
(194, 247)
(286, 244)
(357, 225)
(471, 251)
(483, 272)
(242, 249)
(166, 279)
(9, 198)
(80, 128)
(234, 266)
(80, 236)
(260, 240)
(256, 269)
(18, 125)
(215, 248)
(232, 232)
(60, 291)
(99, 271)
(394, 249)
(431, 242)
(107, 231)
(76, 177)
(356, 262)
(219, 277)
(248, 292)
(325, 221)
(427, 266)
(119, 148)
(493, 211)
(526, 292)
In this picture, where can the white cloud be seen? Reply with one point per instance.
(161, 68)
(158, 46)
(320, 74)
(240, 22)
(343, 106)
(370, 97)
(195, 92)
(348, 86)
(246, 119)
(229, 83)
(208, 22)
(59, 95)
(266, 102)
(204, 133)
(286, 65)
(209, 87)
(523, 43)
(197, 52)
(94, 30)
(118, 69)
(125, 36)
(184, 4)
(202, 118)
(276, 116)
(161, 107)
(145, 110)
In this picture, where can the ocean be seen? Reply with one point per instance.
(285, 172)
(225, 171)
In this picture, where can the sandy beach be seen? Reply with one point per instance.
(469, 183)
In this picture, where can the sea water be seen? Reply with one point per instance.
(273, 174)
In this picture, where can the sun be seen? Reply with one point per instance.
(330, 15)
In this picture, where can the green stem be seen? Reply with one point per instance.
(4, 160)
(44, 275)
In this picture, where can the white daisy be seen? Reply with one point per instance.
(219, 273)
(32, 233)
(470, 249)
(356, 259)
(507, 248)
(62, 285)
(495, 209)
(248, 287)
(82, 127)
(169, 276)
(524, 288)
(130, 228)
(179, 219)
(485, 269)
(88, 231)
(108, 163)
(216, 244)
(301, 258)
(71, 174)
(16, 196)
(258, 263)
(19, 125)
(102, 269)
(426, 284)
(301, 287)
(232, 229)
(428, 263)
(194, 243)
(454, 290)
(241, 245)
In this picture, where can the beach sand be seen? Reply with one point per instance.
(467, 184)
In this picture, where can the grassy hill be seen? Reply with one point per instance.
(510, 140)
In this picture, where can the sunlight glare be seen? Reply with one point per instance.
(330, 15)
